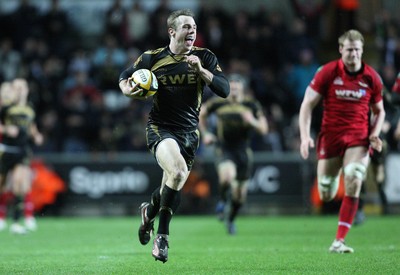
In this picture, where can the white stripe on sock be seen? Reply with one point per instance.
(345, 224)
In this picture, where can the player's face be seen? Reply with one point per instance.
(21, 89)
(351, 52)
(184, 35)
(7, 95)
(236, 91)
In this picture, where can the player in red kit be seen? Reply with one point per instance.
(353, 114)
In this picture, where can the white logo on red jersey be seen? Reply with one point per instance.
(362, 84)
(350, 94)
(338, 81)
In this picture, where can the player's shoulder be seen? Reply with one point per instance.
(216, 101)
(202, 51)
(154, 54)
(372, 77)
(26, 109)
(148, 57)
(369, 70)
(251, 102)
(330, 67)
(328, 70)
(155, 51)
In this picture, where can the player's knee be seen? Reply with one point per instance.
(178, 175)
(227, 171)
(356, 170)
(328, 187)
(354, 175)
(226, 178)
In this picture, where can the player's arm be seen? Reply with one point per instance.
(377, 120)
(310, 100)
(258, 122)
(217, 82)
(195, 63)
(261, 124)
(36, 135)
(207, 136)
(125, 84)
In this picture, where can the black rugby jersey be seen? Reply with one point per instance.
(231, 130)
(20, 116)
(176, 105)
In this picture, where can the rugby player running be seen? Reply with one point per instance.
(350, 90)
(182, 70)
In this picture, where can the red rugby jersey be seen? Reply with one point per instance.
(347, 98)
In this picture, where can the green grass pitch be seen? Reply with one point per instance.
(200, 245)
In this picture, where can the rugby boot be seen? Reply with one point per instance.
(18, 229)
(146, 227)
(231, 228)
(160, 248)
(220, 210)
(340, 247)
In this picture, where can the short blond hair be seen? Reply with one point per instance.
(351, 35)
(171, 21)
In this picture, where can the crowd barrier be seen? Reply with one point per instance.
(116, 184)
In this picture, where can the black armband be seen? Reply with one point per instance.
(220, 86)
(126, 73)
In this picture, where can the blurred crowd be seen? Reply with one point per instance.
(74, 84)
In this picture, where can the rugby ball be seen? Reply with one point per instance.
(147, 81)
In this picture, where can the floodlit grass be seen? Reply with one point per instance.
(199, 245)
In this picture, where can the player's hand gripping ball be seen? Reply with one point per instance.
(147, 81)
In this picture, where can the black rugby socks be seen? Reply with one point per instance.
(169, 203)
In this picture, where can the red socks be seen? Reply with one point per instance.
(28, 206)
(5, 199)
(3, 205)
(347, 212)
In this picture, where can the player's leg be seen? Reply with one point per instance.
(21, 184)
(148, 212)
(380, 182)
(169, 158)
(243, 167)
(176, 172)
(328, 177)
(360, 215)
(379, 158)
(355, 162)
(238, 198)
(3, 202)
(29, 208)
(328, 171)
(226, 175)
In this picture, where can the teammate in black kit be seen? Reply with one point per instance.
(17, 127)
(182, 71)
(237, 118)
